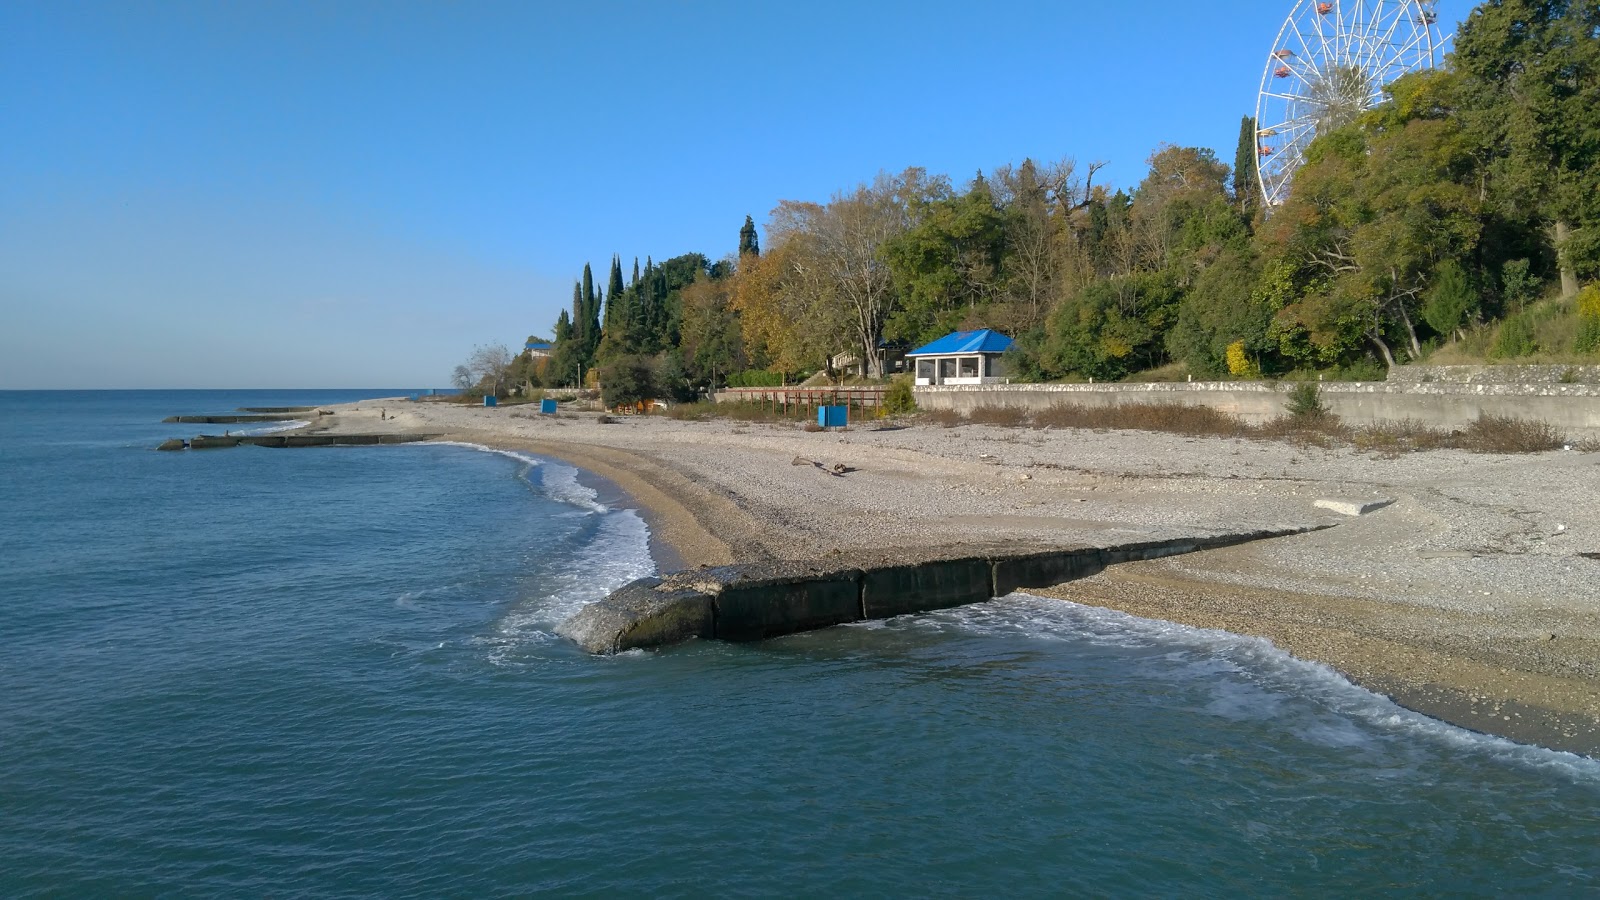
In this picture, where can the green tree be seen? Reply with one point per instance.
(1245, 188)
(1530, 98)
(1451, 300)
(1377, 207)
(947, 263)
(749, 245)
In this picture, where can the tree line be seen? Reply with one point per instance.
(1451, 209)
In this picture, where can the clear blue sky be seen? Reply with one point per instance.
(354, 194)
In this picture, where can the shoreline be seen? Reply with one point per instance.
(1519, 667)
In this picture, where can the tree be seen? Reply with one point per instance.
(1530, 97)
(947, 263)
(711, 345)
(748, 244)
(1245, 188)
(1451, 299)
(1377, 208)
(838, 254)
(489, 367)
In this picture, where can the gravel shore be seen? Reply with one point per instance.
(1469, 597)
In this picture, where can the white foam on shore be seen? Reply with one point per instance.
(618, 552)
(1250, 679)
(272, 428)
(558, 481)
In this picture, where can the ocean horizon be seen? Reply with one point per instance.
(333, 672)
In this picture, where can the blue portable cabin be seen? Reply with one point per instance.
(962, 357)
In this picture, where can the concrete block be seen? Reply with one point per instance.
(1352, 507)
(762, 600)
(940, 584)
(1043, 569)
(640, 614)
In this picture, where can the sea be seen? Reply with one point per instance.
(332, 672)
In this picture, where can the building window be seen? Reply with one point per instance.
(969, 367)
(925, 370)
(947, 369)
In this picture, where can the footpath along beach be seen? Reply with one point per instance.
(1468, 598)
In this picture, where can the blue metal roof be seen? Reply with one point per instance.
(538, 345)
(985, 341)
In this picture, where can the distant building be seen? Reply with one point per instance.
(538, 348)
(891, 356)
(962, 357)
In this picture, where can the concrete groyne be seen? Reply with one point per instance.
(212, 441)
(233, 419)
(752, 601)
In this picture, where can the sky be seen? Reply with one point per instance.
(356, 194)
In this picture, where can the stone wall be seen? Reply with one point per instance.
(1448, 397)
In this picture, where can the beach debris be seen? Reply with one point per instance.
(1352, 507)
(838, 470)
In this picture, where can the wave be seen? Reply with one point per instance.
(557, 481)
(1244, 679)
(271, 428)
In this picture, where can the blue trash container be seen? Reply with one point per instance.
(489, 400)
(548, 407)
(833, 416)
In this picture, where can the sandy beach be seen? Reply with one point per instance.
(1468, 598)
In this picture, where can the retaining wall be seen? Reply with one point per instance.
(753, 601)
(1567, 397)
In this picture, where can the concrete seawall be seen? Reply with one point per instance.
(752, 601)
(213, 442)
(1573, 408)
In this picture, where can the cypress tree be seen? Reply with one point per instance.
(1244, 166)
(614, 289)
(748, 245)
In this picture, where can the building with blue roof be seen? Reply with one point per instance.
(962, 357)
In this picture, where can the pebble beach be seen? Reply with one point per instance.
(1471, 595)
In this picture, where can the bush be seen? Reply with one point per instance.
(628, 380)
(1193, 421)
(1516, 337)
(1305, 402)
(1239, 363)
(899, 399)
(1504, 434)
(1588, 336)
(1004, 416)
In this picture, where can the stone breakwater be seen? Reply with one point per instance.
(753, 601)
(213, 442)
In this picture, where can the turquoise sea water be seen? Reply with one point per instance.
(330, 672)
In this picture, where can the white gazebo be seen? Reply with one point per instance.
(962, 357)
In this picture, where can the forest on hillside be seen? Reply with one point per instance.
(1460, 219)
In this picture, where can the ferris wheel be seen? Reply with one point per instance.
(1329, 64)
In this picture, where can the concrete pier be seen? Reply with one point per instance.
(213, 442)
(753, 601)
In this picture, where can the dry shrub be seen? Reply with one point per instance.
(1504, 434)
(692, 412)
(1173, 418)
(1004, 416)
(945, 418)
(812, 427)
(1403, 436)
